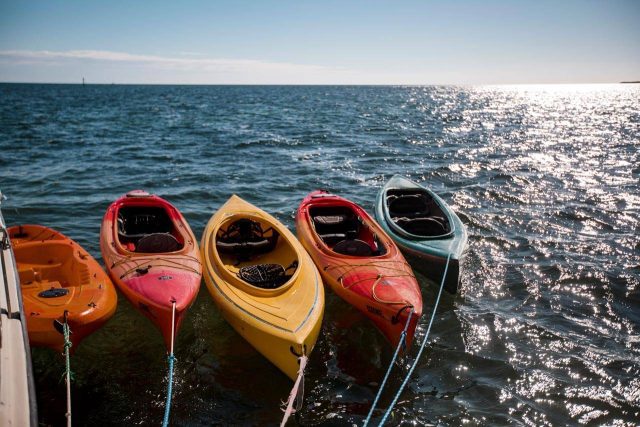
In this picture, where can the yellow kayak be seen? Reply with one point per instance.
(264, 282)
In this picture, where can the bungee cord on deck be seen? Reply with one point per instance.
(148, 263)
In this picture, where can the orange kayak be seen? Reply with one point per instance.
(360, 262)
(58, 275)
(153, 257)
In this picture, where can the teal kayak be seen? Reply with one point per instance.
(424, 227)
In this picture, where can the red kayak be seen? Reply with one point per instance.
(360, 262)
(152, 256)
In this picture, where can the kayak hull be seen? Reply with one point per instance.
(382, 287)
(281, 323)
(57, 275)
(427, 255)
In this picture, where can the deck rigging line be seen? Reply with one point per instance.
(67, 346)
(297, 392)
(422, 346)
(401, 343)
(167, 407)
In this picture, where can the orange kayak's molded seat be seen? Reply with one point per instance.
(58, 275)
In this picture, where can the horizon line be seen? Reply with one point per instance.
(84, 83)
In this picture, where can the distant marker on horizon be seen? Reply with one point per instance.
(83, 81)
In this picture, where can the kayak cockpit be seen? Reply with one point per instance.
(147, 229)
(50, 264)
(241, 242)
(344, 232)
(417, 213)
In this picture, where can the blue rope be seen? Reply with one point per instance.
(424, 342)
(167, 408)
(401, 342)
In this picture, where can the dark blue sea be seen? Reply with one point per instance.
(544, 331)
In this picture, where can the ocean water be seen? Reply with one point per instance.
(545, 329)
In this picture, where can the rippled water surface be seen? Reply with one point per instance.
(545, 330)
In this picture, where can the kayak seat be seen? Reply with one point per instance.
(265, 276)
(245, 239)
(408, 205)
(331, 219)
(332, 239)
(157, 243)
(353, 247)
(257, 247)
(138, 223)
(334, 224)
(27, 275)
(427, 226)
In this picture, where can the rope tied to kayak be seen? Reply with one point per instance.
(67, 346)
(415, 362)
(171, 358)
(402, 343)
(297, 392)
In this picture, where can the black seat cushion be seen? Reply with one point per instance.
(408, 205)
(353, 247)
(245, 239)
(429, 226)
(331, 239)
(135, 222)
(257, 247)
(157, 243)
(335, 223)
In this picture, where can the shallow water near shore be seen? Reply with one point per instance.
(545, 329)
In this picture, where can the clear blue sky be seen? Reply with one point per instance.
(379, 42)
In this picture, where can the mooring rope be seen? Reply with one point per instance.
(401, 343)
(67, 346)
(297, 392)
(422, 346)
(167, 407)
